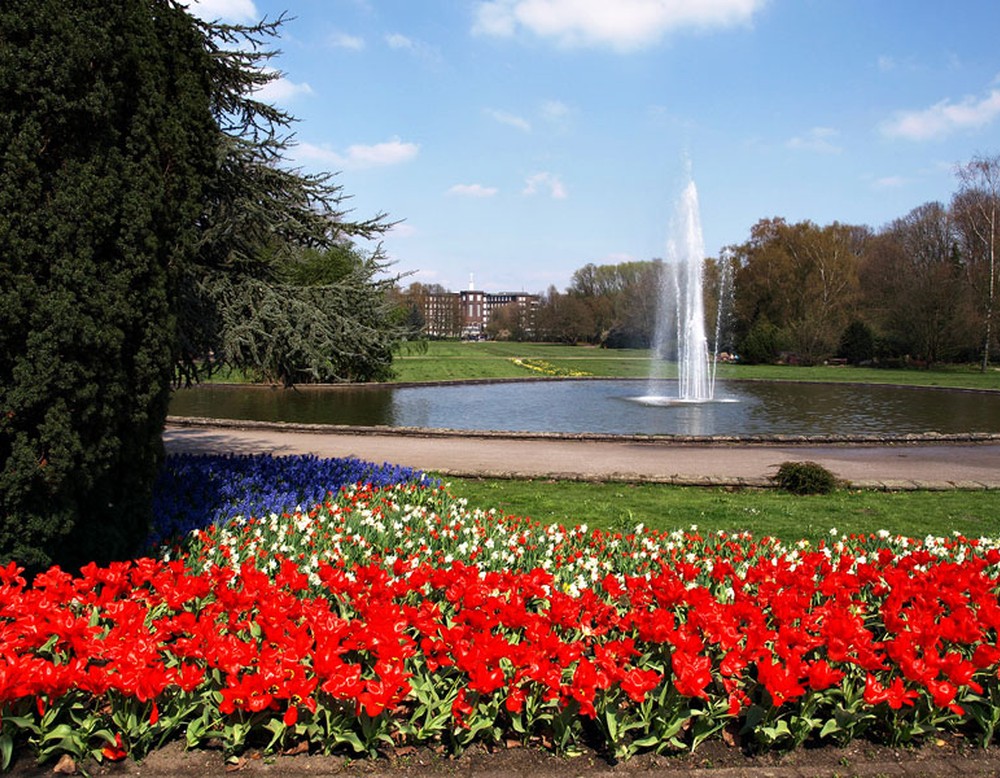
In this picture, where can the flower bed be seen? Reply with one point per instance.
(548, 369)
(193, 490)
(398, 615)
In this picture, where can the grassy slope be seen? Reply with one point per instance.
(449, 361)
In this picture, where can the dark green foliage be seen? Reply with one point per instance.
(277, 289)
(147, 226)
(762, 344)
(287, 334)
(104, 140)
(805, 478)
(857, 343)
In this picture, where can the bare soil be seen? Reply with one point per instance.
(713, 759)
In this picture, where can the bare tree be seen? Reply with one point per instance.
(913, 285)
(977, 208)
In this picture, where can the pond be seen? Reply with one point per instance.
(610, 407)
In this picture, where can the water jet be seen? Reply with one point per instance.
(680, 333)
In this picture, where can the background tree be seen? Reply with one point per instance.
(976, 207)
(717, 278)
(410, 311)
(595, 287)
(508, 322)
(913, 284)
(802, 279)
(564, 318)
(636, 305)
(857, 344)
(765, 279)
(763, 344)
(621, 299)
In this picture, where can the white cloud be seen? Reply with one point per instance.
(472, 190)
(392, 152)
(944, 118)
(509, 119)
(397, 41)
(557, 190)
(226, 10)
(621, 24)
(495, 18)
(281, 90)
(818, 139)
(419, 49)
(360, 156)
(341, 40)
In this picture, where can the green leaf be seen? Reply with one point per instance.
(349, 737)
(754, 716)
(612, 724)
(22, 723)
(6, 750)
(646, 742)
(829, 728)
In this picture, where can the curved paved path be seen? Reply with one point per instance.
(881, 466)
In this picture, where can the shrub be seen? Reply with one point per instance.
(762, 343)
(857, 343)
(805, 478)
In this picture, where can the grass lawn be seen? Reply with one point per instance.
(456, 361)
(763, 512)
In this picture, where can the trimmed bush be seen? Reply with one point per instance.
(805, 478)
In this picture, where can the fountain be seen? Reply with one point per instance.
(680, 319)
(610, 407)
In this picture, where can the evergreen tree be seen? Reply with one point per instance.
(857, 343)
(106, 139)
(251, 298)
(143, 210)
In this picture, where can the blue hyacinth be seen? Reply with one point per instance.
(194, 491)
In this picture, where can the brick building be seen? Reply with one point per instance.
(466, 314)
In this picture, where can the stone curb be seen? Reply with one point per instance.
(909, 439)
(734, 482)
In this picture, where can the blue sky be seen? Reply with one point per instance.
(518, 140)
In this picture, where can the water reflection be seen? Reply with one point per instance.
(751, 408)
(303, 405)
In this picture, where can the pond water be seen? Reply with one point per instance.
(609, 406)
